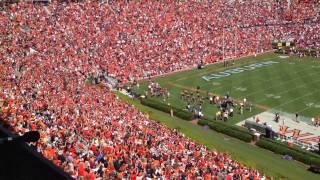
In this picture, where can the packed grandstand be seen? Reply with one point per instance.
(49, 51)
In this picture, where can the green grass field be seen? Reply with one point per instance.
(265, 161)
(292, 85)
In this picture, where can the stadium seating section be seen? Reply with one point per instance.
(47, 53)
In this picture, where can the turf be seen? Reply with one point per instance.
(291, 86)
(265, 161)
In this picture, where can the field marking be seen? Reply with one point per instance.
(172, 83)
(263, 107)
(285, 82)
(297, 98)
(256, 70)
(284, 92)
(278, 85)
(303, 109)
(279, 77)
(223, 68)
(264, 80)
(238, 71)
(271, 87)
(192, 67)
(316, 106)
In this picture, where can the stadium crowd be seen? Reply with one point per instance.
(48, 52)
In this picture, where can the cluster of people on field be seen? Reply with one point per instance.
(226, 108)
(154, 89)
(226, 105)
(49, 52)
(194, 100)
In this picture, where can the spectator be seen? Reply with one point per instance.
(56, 59)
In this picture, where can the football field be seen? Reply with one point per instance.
(270, 82)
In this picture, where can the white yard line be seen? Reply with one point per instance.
(303, 109)
(278, 85)
(308, 107)
(295, 99)
(284, 92)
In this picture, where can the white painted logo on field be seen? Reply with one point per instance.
(283, 57)
(229, 72)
